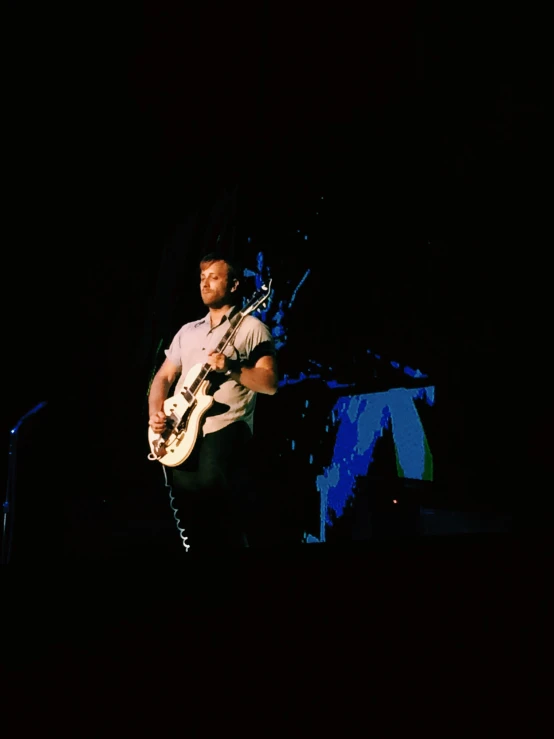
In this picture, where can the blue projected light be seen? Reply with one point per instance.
(361, 421)
(276, 320)
(358, 420)
(414, 373)
(295, 292)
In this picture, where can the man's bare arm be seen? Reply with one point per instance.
(163, 380)
(263, 377)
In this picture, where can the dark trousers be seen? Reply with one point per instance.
(210, 490)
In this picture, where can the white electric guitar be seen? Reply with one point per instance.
(185, 410)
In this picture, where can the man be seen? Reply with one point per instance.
(207, 485)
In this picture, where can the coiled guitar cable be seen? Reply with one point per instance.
(180, 529)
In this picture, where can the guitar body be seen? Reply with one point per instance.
(180, 440)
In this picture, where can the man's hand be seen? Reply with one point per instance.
(218, 362)
(157, 422)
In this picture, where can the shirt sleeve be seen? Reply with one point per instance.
(174, 351)
(258, 342)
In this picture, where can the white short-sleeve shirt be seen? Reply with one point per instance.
(190, 348)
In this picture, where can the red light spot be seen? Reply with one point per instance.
(395, 501)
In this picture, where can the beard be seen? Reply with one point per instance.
(214, 301)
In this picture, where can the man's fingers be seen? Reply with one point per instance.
(158, 421)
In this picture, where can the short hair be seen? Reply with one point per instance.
(232, 264)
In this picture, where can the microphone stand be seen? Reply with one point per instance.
(9, 504)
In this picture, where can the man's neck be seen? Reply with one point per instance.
(216, 314)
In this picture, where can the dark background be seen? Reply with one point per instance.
(427, 130)
(133, 135)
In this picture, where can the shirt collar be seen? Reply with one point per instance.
(226, 316)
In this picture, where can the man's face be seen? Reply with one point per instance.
(214, 284)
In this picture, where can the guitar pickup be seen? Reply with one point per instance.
(187, 395)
